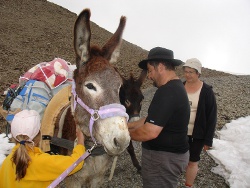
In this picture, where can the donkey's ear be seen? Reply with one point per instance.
(111, 49)
(82, 34)
(142, 77)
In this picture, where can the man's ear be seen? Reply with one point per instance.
(161, 67)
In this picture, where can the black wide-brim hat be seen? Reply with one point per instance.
(160, 54)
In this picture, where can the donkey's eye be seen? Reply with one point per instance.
(90, 86)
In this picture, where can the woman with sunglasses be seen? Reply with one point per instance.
(203, 116)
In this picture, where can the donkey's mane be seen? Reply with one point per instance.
(96, 62)
(95, 51)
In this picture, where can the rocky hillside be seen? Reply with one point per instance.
(34, 31)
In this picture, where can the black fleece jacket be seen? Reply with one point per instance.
(206, 116)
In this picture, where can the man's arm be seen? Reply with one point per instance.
(136, 124)
(140, 131)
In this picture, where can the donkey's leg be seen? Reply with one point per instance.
(131, 152)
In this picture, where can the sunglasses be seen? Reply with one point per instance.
(189, 72)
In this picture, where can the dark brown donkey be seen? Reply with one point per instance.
(131, 97)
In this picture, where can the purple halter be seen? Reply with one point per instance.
(107, 111)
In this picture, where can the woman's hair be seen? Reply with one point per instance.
(21, 157)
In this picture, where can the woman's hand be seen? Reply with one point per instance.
(80, 136)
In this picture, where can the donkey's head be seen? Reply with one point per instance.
(131, 96)
(97, 84)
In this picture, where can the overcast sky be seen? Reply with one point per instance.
(217, 32)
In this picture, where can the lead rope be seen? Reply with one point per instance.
(104, 112)
(68, 170)
(113, 168)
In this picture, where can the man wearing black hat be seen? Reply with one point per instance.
(163, 132)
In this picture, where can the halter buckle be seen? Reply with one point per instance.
(95, 116)
(93, 147)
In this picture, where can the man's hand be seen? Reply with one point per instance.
(206, 148)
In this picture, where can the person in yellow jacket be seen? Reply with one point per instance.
(27, 166)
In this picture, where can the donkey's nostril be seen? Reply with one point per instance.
(116, 143)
